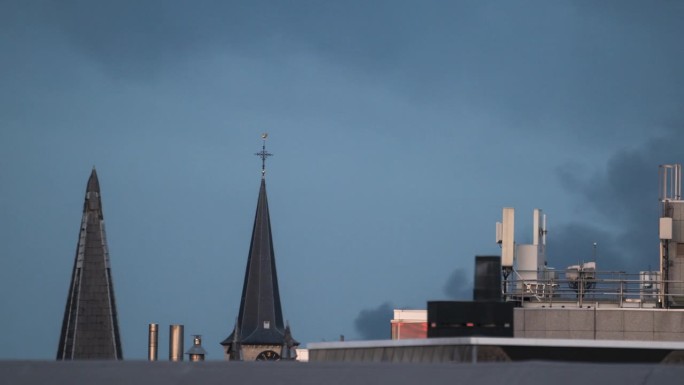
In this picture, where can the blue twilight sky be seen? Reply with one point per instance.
(399, 131)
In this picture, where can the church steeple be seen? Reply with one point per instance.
(260, 332)
(90, 328)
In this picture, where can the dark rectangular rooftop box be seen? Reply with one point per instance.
(469, 319)
(487, 278)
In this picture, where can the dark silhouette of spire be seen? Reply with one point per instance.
(90, 328)
(235, 351)
(260, 320)
(286, 351)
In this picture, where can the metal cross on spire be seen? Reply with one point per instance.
(263, 154)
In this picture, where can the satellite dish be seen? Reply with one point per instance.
(264, 135)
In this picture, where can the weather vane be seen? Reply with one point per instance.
(263, 154)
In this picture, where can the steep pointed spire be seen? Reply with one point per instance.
(93, 182)
(287, 351)
(260, 319)
(235, 352)
(90, 328)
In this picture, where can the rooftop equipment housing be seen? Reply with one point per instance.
(487, 285)
(467, 319)
(671, 233)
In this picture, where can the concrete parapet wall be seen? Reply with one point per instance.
(606, 324)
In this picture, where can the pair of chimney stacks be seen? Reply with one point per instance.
(195, 353)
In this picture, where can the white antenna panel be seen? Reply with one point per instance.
(536, 227)
(499, 232)
(507, 237)
(665, 228)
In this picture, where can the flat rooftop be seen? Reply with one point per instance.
(332, 373)
(488, 349)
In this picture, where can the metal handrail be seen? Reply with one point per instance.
(601, 287)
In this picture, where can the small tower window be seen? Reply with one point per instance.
(267, 324)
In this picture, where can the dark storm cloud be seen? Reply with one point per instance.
(135, 39)
(624, 195)
(356, 31)
(458, 286)
(600, 68)
(374, 324)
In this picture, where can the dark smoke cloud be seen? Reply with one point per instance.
(624, 196)
(374, 324)
(572, 244)
(458, 286)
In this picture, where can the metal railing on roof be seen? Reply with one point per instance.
(607, 288)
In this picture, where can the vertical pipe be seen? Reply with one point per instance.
(667, 182)
(673, 188)
(663, 183)
(678, 184)
(152, 342)
(176, 343)
(673, 180)
(670, 182)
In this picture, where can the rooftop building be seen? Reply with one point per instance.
(90, 329)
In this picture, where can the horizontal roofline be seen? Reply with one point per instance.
(492, 341)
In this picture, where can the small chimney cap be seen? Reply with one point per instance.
(196, 348)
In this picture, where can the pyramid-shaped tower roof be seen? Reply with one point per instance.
(260, 319)
(90, 328)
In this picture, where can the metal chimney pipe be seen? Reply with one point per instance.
(176, 343)
(152, 342)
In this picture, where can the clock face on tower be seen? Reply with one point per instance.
(268, 355)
